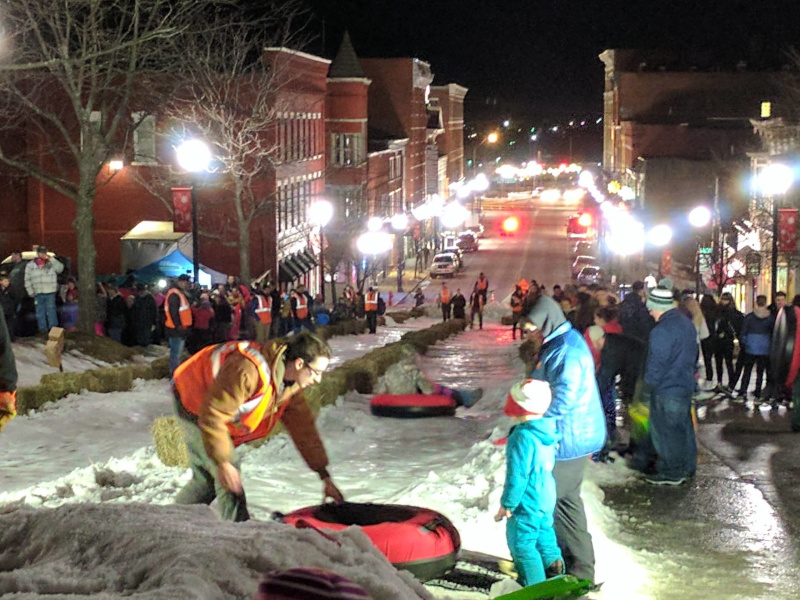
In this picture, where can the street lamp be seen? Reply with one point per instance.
(321, 213)
(775, 181)
(194, 156)
(489, 139)
(373, 243)
(699, 217)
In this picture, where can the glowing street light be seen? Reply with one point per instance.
(194, 156)
(493, 137)
(454, 215)
(374, 224)
(320, 214)
(699, 216)
(400, 221)
(660, 235)
(374, 243)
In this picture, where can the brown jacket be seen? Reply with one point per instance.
(238, 380)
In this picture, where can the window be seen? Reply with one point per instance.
(144, 139)
(346, 149)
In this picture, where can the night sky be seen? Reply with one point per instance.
(538, 58)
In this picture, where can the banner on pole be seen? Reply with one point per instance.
(182, 209)
(666, 262)
(787, 230)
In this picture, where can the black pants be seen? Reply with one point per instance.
(724, 352)
(445, 311)
(707, 347)
(473, 312)
(762, 366)
(372, 321)
(570, 519)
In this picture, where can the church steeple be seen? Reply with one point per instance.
(346, 62)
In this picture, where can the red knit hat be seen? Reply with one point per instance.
(530, 398)
(309, 584)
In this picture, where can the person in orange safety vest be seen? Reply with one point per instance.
(232, 393)
(371, 309)
(178, 320)
(8, 377)
(482, 286)
(262, 305)
(301, 309)
(444, 301)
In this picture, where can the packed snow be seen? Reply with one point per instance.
(109, 529)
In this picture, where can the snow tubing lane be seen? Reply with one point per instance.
(412, 406)
(414, 539)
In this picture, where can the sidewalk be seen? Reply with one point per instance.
(410, 283)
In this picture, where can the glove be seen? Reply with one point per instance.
(8, 407)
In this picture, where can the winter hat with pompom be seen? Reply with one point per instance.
(307, 584)
(530, 398)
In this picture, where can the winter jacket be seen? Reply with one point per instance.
(624, 356)
(8, 366)
(115, 312)
(530, 489)
(458, 302)
(634, 318)
(672, 355)
(237, 381)
(42, 278)
(8, 302)
(566, 364)
(727, 326)
(756, 334)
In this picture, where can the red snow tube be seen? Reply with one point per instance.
(411, 406)
(414, 539)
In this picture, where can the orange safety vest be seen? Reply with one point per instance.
(184, 310)
(257, 415)
(264, 309)
(302, 305)
(516, 303)
(445, 296)
(482, 284)
(371, 302)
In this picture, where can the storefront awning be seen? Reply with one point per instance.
(289, 270)
(306, 259)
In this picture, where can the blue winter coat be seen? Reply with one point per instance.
(756, 334)
(530, 490)
(672, 355)
(566, 363)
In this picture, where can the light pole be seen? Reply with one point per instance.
(491, 138)
(194, 156)
(775, 181)
(699, 217)
(321, 213)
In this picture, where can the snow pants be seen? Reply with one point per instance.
(569, 523)
(532, 542)
(204, 487)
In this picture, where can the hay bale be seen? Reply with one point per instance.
(99, 347)
(118, 379)
(169, 441)
(160, 368)
(33, 398)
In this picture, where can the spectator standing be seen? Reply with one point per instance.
(41, 283)
(8, 303)
(634, 318)
(459, 303)
(223, 316)
(178, 320)
(728, 324)
(755, 341)
(476, 302)
(115, 313)
(517, 300)
(669, 382)
(262, 304)
(566, 364)
(202, 333)
(8, 378)
(100, 309)
(145, 315)
(419, 298)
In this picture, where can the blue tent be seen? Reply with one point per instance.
(172, 265)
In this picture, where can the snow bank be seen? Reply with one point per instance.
(169, 552)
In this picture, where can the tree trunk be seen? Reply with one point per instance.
(243, 228)
(334, 297)
(87, 254)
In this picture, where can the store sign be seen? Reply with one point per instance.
(753, 264)
(704, 259)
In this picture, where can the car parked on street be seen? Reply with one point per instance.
(590, 274)
(467, 243)
(457, 256)
(581, 261)
(443, 265)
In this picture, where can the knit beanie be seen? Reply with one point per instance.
(303, 583)
(530, 398)
(660, 299)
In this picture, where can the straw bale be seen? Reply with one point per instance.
(169, 442)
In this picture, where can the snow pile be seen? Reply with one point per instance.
(169, 552)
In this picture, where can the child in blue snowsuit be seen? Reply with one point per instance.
(529, 495)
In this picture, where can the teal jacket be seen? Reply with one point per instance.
(530, 490)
